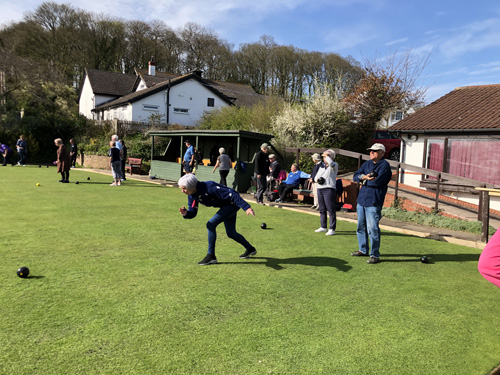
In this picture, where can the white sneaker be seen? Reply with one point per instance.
(319, 230)
(331, 232)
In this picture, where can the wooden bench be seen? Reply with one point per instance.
(133, 163)
(303, 194)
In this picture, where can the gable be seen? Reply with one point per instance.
(470, 108)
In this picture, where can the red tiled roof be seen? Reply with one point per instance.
(465, 108)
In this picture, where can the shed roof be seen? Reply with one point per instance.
(469, 108)
(210, 133)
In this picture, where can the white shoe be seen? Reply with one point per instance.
(331, 232)
(319, 230)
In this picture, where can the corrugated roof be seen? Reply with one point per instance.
(465, 108)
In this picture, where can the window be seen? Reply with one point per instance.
(211, 102)
(396, 116)
(150, 107)
(183, 111)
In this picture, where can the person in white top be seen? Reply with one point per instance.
(326, 179)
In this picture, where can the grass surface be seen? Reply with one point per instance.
(115, 288)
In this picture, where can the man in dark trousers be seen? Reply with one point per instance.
(211, 194)
(73, 152)
(261, 172)
(374, 175)
(123, 156)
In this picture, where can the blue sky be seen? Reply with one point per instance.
(462, 37)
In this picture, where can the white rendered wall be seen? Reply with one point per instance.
(86, 103)
(190, 95)
(413, 153)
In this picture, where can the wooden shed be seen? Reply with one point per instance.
(168, 148)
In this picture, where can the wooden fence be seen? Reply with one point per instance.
(441, 179)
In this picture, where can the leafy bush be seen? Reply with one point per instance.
(434, 220)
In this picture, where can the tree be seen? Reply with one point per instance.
(320, 122)
(387, 85)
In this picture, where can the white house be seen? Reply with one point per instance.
(169, 98)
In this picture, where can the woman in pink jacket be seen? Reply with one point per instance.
(489, 261)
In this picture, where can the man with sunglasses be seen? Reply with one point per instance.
(374, 175)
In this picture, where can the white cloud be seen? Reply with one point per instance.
(349, 37)
(473, 37)
(397, 41)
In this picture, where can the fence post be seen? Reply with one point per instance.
(485, 216)
(436, 204)
(480, 212)
(396, 188)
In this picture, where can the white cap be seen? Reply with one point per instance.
(377, 147)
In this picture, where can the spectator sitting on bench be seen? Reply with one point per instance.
(292, 182)
(274, 171)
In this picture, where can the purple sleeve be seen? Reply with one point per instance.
(489, 261)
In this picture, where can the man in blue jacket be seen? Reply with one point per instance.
(228, 201)
(292, 182)
(375, 175)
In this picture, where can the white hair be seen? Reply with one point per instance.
(114, 137)
(188, 180)
(222, 150)
(330, 153)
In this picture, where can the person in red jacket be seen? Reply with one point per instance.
(489, 261)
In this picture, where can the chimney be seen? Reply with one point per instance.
(152, 67)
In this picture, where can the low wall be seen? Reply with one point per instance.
(94, 161)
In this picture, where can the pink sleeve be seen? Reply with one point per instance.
(489, 261)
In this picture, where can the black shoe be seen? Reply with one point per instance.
(209, 259)
(373, 260)
(358, 254)
(61, 180)
(248, 252)
(65, 181)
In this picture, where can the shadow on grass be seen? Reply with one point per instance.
(123, 184)
(278, 264)
(433, 258)
(35, 277)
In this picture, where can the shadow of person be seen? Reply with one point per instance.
(279, 264)
(431, 257)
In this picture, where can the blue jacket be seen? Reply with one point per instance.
(294, 178)
(373, 192)
(211, 194)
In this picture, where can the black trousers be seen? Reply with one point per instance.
(223, 175)
(261, 187)
(285, 189)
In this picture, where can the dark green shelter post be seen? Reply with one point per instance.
(167, 151)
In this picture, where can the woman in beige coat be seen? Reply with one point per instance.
(63, 160)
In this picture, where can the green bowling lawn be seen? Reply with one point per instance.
(115, 288)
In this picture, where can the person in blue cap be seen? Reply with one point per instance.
(212, 194)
